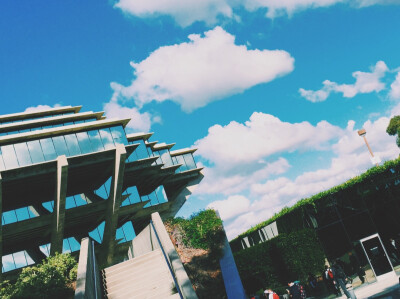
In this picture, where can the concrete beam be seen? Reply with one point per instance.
(57, 230)
(113, 205)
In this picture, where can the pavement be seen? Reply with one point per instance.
(388, 288)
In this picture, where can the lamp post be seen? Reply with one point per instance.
(362, 133)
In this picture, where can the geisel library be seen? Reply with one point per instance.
(67, 175)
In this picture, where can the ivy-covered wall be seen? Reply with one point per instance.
(288, 257)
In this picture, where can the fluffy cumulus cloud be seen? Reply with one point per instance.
(41, 108)
(184, 12)
(252, 194)
(261, 136)
(140, 122)
(187, 12)
(366, 82)
(395, 88)
(202, 70)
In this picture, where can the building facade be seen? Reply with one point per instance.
(66, 174)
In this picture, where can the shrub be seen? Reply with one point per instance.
(50, 279)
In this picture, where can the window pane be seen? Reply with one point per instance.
(191, 164)
(9, 156)
(60, 146)
(95, 140)
(180, 160)
(2, 166)
(48, 149)
(72, 144)
(118, 135)
(84, 142)
(107, 139)
(36, 151)
(166, 158)
(21, 149)
(141, 150)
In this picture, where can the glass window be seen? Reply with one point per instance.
(97, 144)
(60, 146)
(2, 166)
(24, 158)
(72, 144)
(161, 195)
(106, 138)
(9, 156)
(180, 160)
(84, 142)
(35, 151)
(190, 163)
(48, 149)
(22, 213)
(118, 135)
(141, 150)
(165, 157)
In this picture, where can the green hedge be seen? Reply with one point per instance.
(363, 182)
(51, 279)
(287, 257)
(202, 230)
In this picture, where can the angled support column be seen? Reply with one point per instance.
(113, 204)
(57, 230)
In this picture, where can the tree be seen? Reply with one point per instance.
(394, 128)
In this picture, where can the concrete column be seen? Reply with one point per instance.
(113, 204)
(57, 230)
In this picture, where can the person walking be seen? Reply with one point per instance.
(340, 278)
(329, 281)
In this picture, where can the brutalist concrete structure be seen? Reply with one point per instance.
(71, 172)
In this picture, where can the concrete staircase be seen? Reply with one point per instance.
(143, 277)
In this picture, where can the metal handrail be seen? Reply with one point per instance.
(167, 260)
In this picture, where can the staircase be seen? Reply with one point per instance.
(146, 276)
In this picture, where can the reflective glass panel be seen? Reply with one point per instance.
(180, 160)
(97, 144)
(2, 166)
(9, 156)
(160, 192)
(72, 144)
(36, 151)
(190, 163)
(141, 150)
(106, 138)
(60, 146)
(48, 149)
(21, 149)
(165, 157)
(118, 135)
(84, 142)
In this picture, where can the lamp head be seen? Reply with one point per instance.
(362, 132)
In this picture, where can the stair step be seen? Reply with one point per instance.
(141, 259)
(159, 291)
(136, 269)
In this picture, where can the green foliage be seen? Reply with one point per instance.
(287, 257)
(364, 181)
(50, 279)
(202, 230)
(394, 128)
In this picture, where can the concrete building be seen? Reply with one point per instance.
(66, 175)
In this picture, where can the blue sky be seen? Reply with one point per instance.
(271, 92)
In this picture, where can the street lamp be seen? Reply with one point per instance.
(374, 159)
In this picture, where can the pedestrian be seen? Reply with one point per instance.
(340, 278)
(296, 290)
(329, 281)
(355, 267)
(269, 294)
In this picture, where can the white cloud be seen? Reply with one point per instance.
(366, 82)
(140, 122)
(202, 70)
(254, 190)
(230, 207)
(395, 88)
(41, 108)
(184, 12)
(187, 12)
(262, 136)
